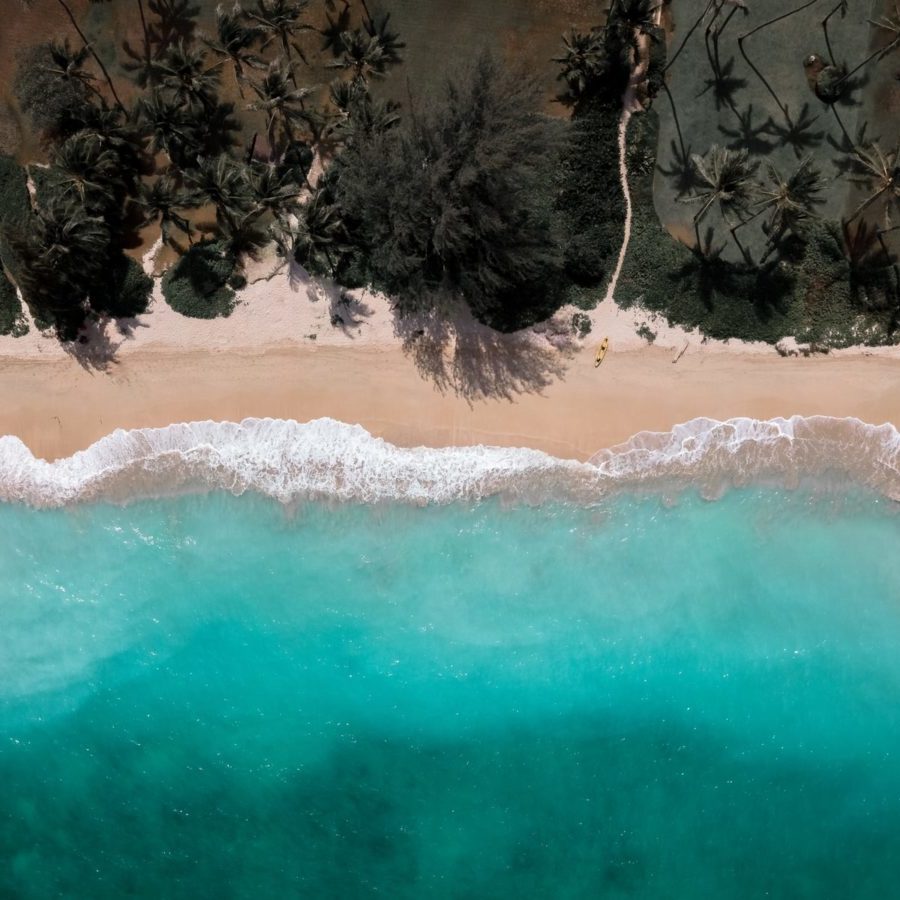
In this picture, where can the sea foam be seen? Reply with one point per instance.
(327, 459)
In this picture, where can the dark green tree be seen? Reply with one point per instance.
(449, 206)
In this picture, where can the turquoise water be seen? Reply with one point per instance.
(216, 697)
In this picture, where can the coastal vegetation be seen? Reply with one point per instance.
(761, 208)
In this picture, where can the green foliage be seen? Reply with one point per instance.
(15, 207)
(12, 321)
(657, 62)
(809, 291)
(54, 103)
(590, 203)
(125, 291)
(197, 285)
(450, 205)
(581, 324)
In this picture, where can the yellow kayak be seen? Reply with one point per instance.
(601, 352)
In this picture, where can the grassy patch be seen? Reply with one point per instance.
(197, 284)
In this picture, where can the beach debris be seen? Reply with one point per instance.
(681, 352)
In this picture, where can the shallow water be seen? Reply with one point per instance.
(216, 697)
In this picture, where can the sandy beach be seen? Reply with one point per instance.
(467, 385)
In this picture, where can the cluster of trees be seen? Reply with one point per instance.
(727, 178)
(123, 156)
(450, 203)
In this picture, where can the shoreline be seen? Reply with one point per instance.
(416, 382)
(57, 408)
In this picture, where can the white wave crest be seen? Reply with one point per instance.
(324, 458)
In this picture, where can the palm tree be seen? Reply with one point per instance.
(83, 166)
(635, 16)
(87, 46)
(163, 200)
(320, 237)
(790, 200)
(839, 7)
(388, 41)
(275, 188)
(170, 127)
(233, 42)
(362, 55)
(760, 27)
(279, 19)
(725, 178)
(282, 105)
(68, 64)
(186, 77)
(223, 182)
(583, 63)
(890, 24)
(367, 116)
(61, 256)
(335, 28)
(879, 173)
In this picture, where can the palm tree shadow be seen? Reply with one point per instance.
(845, 147)
(680, 171)
(175, 19)
(724, 85)
(460, 355)
(94, 349)
(852, 87)
(796, 133)
(747, 136)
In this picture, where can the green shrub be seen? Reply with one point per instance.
(590, 203)
(12, 321)
(15, 207)
(197, 285)
(581, 324)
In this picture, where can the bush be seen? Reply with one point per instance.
(12, 320)
(54, 104)
(581, 324)
(197, 285)
(15, 207)
(590, 203)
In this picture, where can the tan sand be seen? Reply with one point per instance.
(537, 388)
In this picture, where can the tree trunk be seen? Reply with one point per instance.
(687, 37)
(831, 58)
(759, 74)
(882, 52)
(97, 59)
(146, 35)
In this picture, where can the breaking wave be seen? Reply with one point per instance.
(326, 459)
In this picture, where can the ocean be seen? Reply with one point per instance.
(636, 694)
